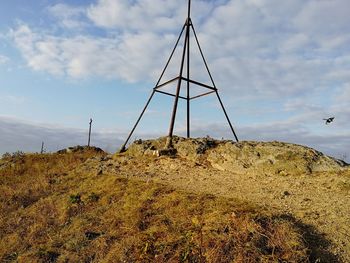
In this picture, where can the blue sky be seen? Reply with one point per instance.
(280, 66)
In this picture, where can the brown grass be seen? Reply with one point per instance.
(53, 213)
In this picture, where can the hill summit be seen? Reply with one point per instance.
(203, 200)
(243, 157)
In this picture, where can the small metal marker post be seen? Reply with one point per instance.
(188, 28)
(42, 148)
(89, 132)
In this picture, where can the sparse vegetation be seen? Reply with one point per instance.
(129, 220)
(14, 155)
(6, 155)
(93, 197)
(75, 199)
(59, 208)
(25, 178)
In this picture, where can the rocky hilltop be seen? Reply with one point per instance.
(243, 157)
(203, 200)
(282, 177)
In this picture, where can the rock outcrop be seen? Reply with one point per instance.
(243, 157)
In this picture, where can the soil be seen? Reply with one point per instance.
(292, 180)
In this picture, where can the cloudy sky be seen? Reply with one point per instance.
(280, 67)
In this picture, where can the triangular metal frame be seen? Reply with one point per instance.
(187, 27)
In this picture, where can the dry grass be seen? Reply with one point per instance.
(24, 179)
(53, 213)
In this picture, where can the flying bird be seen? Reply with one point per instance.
(329, 120)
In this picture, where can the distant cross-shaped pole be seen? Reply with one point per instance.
(89, 132)
(42, 148)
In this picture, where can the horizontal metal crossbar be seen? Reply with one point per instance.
(166, 83)
(167, 93)
(198, 83)
(201, 95)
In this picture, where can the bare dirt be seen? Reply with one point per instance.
(298, 182)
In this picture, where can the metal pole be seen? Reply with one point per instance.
(122, 149)
(227, 118)
(89, 132)
(172, 122)
(200, 50)
(42, 148)
(171, 55)
(188, 70)
(212, 80)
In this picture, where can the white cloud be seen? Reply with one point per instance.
(128, 57)
(324, 17)
(327, 23)
(68, 16)
(292, 50)
(109, 13)
(4, 59)
(41, 54)
(300, 104)
(296, 42)
(255, 46)
(341, 102)
(141, 15)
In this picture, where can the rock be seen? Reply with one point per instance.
(167, 152)
(92, 235)
(282, 173)
(285, 193)
(78, 148)
(244, 157)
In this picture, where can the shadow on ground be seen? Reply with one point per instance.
(318, 245)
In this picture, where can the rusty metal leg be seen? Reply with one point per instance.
(171, 55)
(202, 55)
(188, 75)
(227, 118)
(122, 149)
(172, 122)
(212, 80)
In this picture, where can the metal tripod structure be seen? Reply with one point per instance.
(187, 28)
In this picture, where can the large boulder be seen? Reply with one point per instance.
(242, 157)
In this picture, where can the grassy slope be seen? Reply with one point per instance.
(51, 212)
